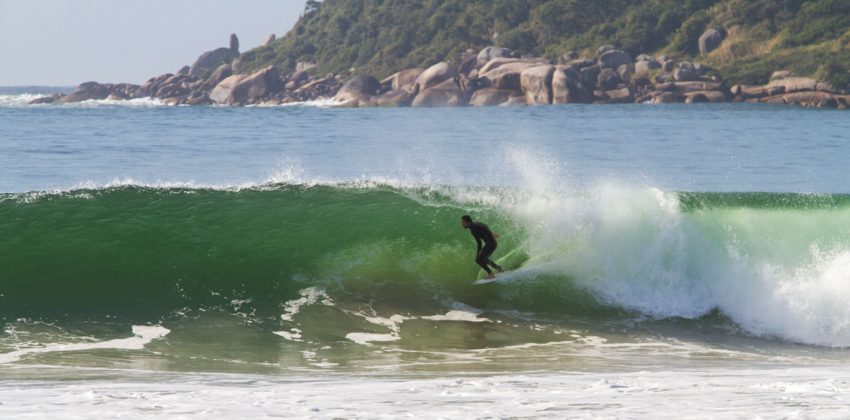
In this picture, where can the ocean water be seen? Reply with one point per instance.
(307, 261)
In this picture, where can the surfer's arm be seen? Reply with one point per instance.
(478, 242)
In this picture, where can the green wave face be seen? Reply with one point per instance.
(144, 251)
(776, 264)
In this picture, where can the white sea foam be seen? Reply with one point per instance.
(7, 101)
(719, 393)
(142, 336)
(368, 338)
(24, 99)
(456, 315)
(316, 103)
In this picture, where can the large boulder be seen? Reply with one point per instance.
(705, 96)
(491, 97)
(434, 75)
(220, 73)
(153, 84)
(646, 66)
(608, 79)
(296, 80)
(624, 95)
(498, 62)
(395, 98)
(358, 89)
(711, 39)
(800, 84)
(507, 76)
(242, 89)
(537, 84)
(603, 49)
(626, 71)
(685, 72)
(569, 56)
(47, 99)
(319, 88)
(665, 98)
(269, 41)
(567, 87)
(446, 93)
(581, 63)
(405, 79)
(258, 85)
(613, 59)
(685, 87)
(489, 53)
(805, 98)
(96, 91)
(589, 76)
(221, 92)
(211, 60)
(234, 43)
(88, 91)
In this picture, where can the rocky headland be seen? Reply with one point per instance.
(493, 76)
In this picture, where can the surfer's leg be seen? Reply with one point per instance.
(486, 253)
(482, 260)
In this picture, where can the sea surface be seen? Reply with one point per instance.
(679, 261)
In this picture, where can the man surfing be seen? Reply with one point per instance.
(482, 233)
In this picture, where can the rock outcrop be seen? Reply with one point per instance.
(447, 93)
(711, 39)
(492, 77)
(358, 90)
(211, 60)
(434, 75)
(95, 91)
(536, 82)
(491, 97)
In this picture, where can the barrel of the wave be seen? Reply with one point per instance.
(145, 251)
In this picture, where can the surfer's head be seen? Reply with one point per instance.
(466, 221)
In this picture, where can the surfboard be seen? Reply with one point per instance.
(511, 262)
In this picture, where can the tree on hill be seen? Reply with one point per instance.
(380, 37)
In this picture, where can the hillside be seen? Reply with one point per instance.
(379, 37)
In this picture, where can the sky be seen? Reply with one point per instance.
(67, 42)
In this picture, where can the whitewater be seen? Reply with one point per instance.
(305, 261)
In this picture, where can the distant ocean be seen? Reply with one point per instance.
(306, 261)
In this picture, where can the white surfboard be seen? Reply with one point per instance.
(511, 262)
(503, 277)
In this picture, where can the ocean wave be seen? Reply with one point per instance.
(777, 265)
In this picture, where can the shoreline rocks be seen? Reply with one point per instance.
(492, 77)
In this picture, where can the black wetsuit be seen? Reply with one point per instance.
(482, 233)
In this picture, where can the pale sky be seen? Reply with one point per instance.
(67, 42)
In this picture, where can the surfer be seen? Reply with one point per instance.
(482, 233)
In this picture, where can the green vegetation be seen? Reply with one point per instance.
(379, 37)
